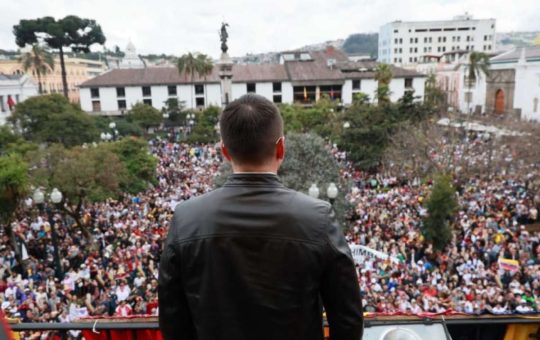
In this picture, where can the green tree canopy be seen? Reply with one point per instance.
(71, 32)
(441, 206)
(53, 119)
(383, 76)
(82, 175)
(139, 164)
(204, 130)
(144, 115)
(14, 185)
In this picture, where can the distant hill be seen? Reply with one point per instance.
(362, 43)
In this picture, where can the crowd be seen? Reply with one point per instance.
(114, 273)
(495, 223)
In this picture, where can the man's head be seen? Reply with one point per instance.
(252, 134)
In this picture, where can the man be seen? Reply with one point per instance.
(252, 259)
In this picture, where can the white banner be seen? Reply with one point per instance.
(359, 252)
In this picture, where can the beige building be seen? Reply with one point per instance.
(78, 70)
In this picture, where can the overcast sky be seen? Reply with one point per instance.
(179, 26)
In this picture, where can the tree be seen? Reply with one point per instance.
(204, 130)
(39, 60)
(139, 164)
(441, 206)
(14, 185)
(72, 32)
(83, 175)
(434, 97)
(368, 133)
(175, 109)
(478, 64)
(308, 160)
(383, 76)
(192, 63)
(53, 119)
(144, 115)
(205, 66)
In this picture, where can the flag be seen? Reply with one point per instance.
(10, 102)
(510, 265)
(305, 93)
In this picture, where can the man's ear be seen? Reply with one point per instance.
(225, 152)
(280, 149)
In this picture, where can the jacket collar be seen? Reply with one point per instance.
(253, 178)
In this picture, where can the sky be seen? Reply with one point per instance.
(180, 26)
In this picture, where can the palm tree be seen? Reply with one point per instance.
(478, 64)
(192, 63)
(383, 76)
(187, 64)
(38, 59)
(205, 67)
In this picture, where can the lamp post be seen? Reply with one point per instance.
(314, 191)
(112, 126)
(332, 192)
(56, 199)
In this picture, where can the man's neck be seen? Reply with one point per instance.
(246, 169)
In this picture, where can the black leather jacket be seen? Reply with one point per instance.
(250, 261)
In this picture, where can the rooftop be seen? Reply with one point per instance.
(330, 65)
(531, 53)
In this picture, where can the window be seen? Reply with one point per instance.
(276, 87)
(199, 89)
(147, 102)
(396, 40)
(94, 93)
(199, 102)
(251, 88)
(146, 91)
(401, 40)
(17, 98)
(96, 106)
(277, 98)
(356, 83)
(2, 106)
(172, 90)
(412, 40)
(535, 105)
(416, 40)
(408, 83)
(121, 104)
(120, 92)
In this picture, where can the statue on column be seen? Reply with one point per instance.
(223, 35)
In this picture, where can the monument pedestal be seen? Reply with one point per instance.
(225, 65)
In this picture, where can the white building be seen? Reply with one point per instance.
(13, 90)
(409, 42)
(301, 77)
(511, 88)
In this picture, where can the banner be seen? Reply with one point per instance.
(359, 252)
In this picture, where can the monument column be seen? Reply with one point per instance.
(225, 65)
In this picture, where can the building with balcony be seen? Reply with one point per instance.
(301, 77)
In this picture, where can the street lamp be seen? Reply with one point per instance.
(112, 125)
(56, 198)
(346, 125)
(313, 191)
(332, 192)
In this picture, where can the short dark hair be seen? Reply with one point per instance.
(250, 127)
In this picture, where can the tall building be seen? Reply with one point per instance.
(412, 42)
(78, 70)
